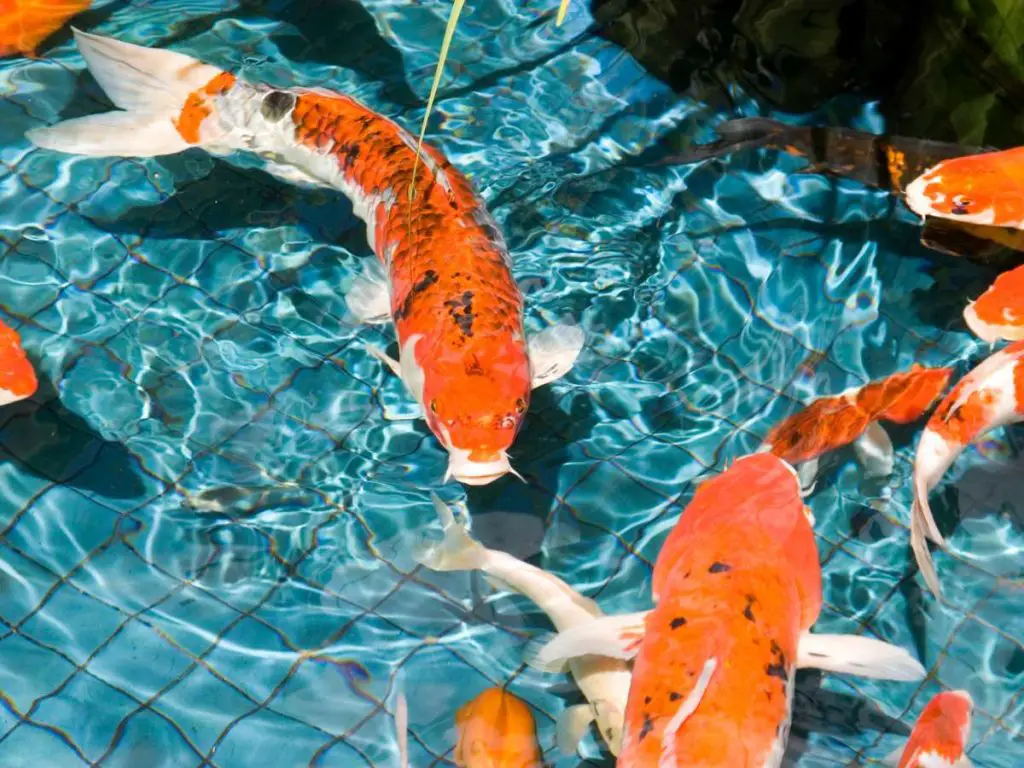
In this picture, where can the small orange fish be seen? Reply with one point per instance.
(940, 734)
(496, 730)
(999, 312)
(17, 377)
(852, 417)
(737, 586)
(444, 273)
(990, 396)
(24, 24)
(977, 189)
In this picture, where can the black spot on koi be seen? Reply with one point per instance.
(719, 568)
(429, 278)
(461, 310)
(747, 612)
(646, 728)
(777, 670)
(678, 622)
(276, 105)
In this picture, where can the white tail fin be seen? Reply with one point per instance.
(458, 552)
(150, 84)
(857, 655)
(921, 553)
(402, 730)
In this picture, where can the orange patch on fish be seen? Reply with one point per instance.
(999, 312)
(831, 422)
(496, 730)
(940, 732)
(197, 106)
(17, 377)
(24, 24)
(985, 188)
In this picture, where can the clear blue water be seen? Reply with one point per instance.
(209, 507)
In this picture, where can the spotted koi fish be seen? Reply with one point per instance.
(940, 734)
(990, 396)
(853, 417)
(998, 314)
(17, 377)
(25, 24)
(445, 276)
(496, 730)
(736, 586)
(604, 682)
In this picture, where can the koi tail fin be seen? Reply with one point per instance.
(402, 729)
(159, 95)
(458, 551)
(858, 655)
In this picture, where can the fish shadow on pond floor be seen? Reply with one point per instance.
(46, 439)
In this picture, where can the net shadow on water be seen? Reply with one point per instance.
(211, 504)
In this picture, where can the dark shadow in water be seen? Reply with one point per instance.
(54, 444)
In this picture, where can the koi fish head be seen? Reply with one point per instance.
(17, 377)
(757, 499)
(475, 405)
(495, 729)
(977, 189)
(941, 733)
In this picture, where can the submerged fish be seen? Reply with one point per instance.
(24, 24)
(496, 730)
(998, 314)
(990, 396)
(448, 286)
(17, 377)
(884, 162)
(940, 734)
(604, 682)
(852, 417)
(737, 586)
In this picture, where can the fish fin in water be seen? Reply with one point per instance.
(553, 352)
(919, 545)
(616, 637)
(458, 551)
(572, 726)
(807, 475)
(384, 357)
(369, 298)
(857, 655)
(402, 730)
(291, 174)
(151, 85)
(894, 757)
(874, 451)
(687, 708)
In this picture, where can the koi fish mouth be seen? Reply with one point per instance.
(470, 472)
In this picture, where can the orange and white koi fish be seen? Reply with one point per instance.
(17, 377)
(603, 681)
(24, 24)
(737, 586)
(447, 282)
(990, 396)
(853, 417)
(940, 735)
(987, 188)
(496, 730)
(999, 312)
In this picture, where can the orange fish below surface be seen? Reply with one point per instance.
(737, 586)
(496, 730)
(990, 396)
(24, 24)
(17, 377)
(852, 417)
(998, 314)
(940, 734)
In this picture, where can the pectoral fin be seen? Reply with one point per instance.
(385, 358)
(572, 727)
(857, 655)
(616, 637)
(807, 474)
(874, 451)
(369, 297)
(553, 352)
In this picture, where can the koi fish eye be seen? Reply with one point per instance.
(433, 406)
(960, 205)
(520, 405)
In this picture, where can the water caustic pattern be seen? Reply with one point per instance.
(211, 503)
